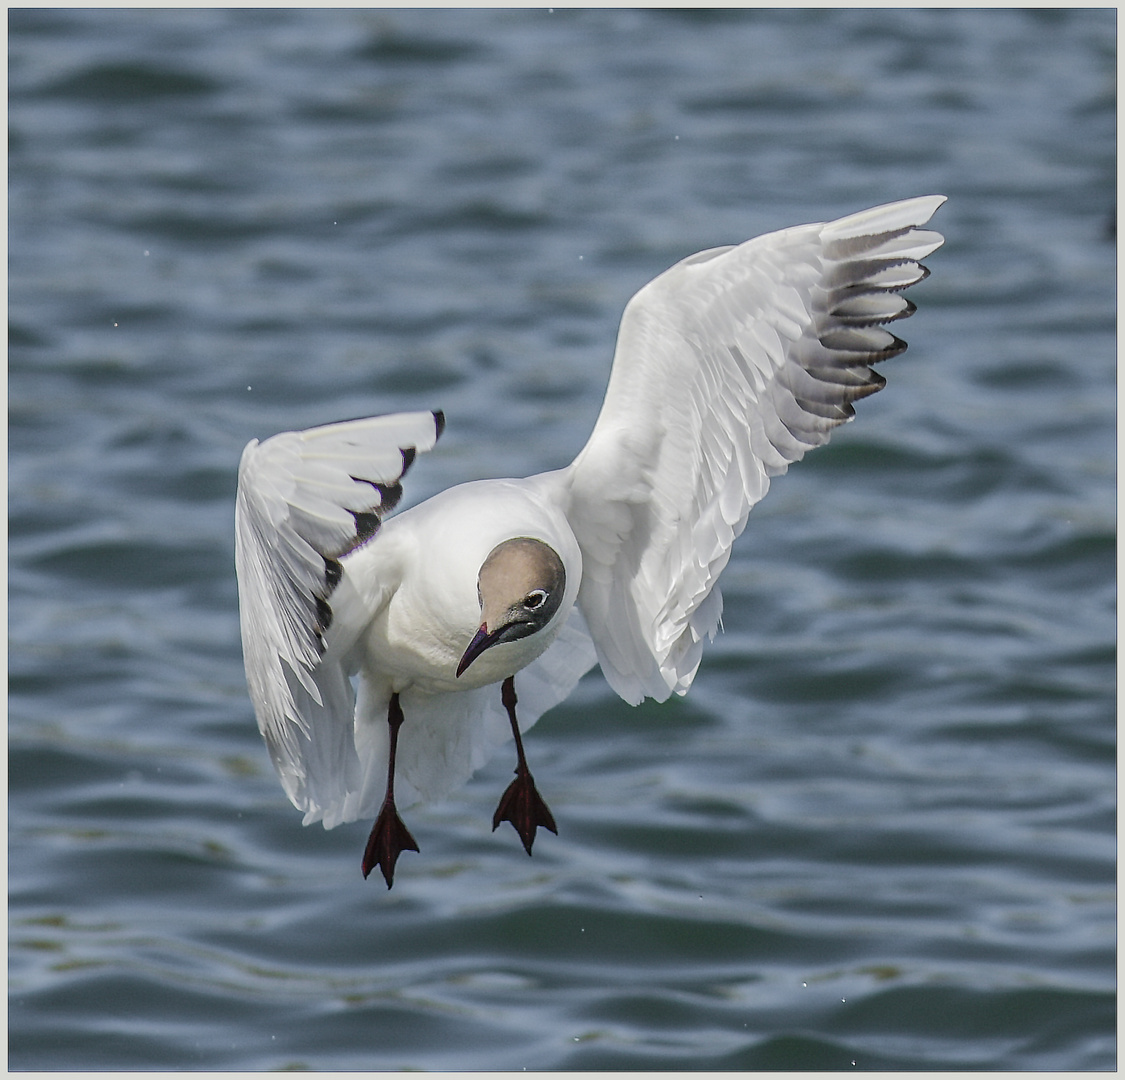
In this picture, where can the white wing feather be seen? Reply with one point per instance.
(305, 499)
(728, 367)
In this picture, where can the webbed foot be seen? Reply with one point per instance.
(524, 807)
(521, 804)
(389, 838)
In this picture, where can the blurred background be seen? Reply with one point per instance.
(879, 832)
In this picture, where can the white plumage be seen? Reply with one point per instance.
(729, 366)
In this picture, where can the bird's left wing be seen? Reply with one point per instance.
(729, 366)
(305, 500)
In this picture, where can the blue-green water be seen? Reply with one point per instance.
(880, 831)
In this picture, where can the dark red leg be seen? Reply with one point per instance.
(389, 837)
(521, 804)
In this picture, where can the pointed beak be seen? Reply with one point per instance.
(482, 639)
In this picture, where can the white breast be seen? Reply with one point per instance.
(419, 636)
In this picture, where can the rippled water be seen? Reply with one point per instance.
(878, 833)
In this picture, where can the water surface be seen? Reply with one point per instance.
(880, 831)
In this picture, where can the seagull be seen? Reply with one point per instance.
(382, 652)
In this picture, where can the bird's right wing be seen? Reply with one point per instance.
(305, 500)
(729, 366)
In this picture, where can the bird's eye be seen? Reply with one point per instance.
(535, 600)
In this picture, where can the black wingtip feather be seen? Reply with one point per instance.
(439, 422)
(323, 616)
(862, 319)
(366, 526)
(390, 496)
(894, 349)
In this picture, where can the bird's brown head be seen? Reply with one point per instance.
(520, 587)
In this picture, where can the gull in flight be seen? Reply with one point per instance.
(382, 653)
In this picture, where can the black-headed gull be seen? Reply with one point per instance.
(728, 367)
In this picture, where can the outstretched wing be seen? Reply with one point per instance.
(729, 366)
(305, 500)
